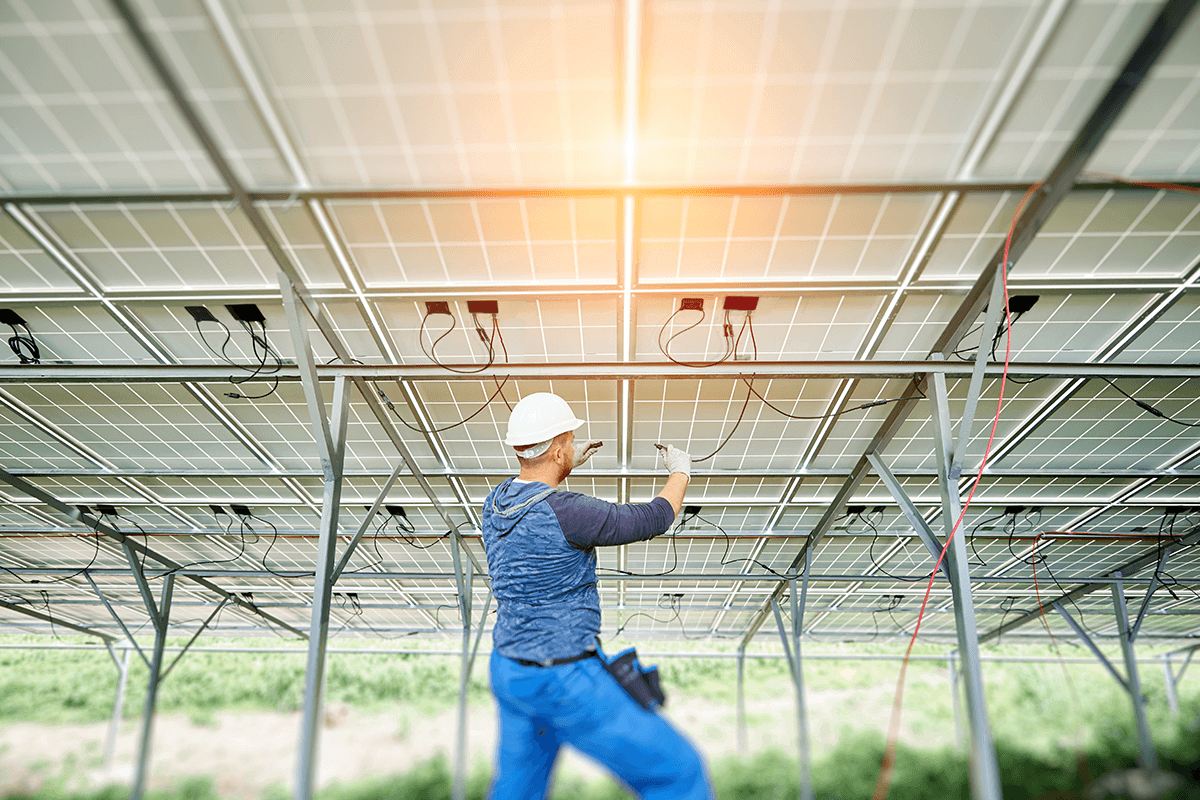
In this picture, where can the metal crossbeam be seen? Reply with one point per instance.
(575, 371)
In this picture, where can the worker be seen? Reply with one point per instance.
(547, 670)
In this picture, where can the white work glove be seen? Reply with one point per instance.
(676, 460)
(587, 452)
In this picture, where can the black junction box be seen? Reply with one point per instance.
(200, 313)
(482, 307)
(246, 312)
(740, 303)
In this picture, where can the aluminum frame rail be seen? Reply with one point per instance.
(617, 370)
(618, 191)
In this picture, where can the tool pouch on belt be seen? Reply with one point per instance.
(640, 682)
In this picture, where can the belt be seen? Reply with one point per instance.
(554, 662)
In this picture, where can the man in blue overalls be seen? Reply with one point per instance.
(551, 688)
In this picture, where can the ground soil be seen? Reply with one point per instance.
(246, 752)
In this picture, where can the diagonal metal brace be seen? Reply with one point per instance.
(911, 513)
(1154, 583)
(783, 634)
(29, 612)
(1087, 640)
(366, 524)
(195, 636)
(119, 621)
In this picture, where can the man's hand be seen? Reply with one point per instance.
(583, 455)
(676, 460)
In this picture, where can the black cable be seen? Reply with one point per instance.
(672, 606)
(971, 536)
(1012, 601)
(741, 415)
(95, 554)
(1011, 526)
(24, 346)
(896, 600)
(418, 429)
(489, 341)
(407, 532)
(245, 521)
(228, 528)
(832, 414)
(871, 553)
(683, 520)
(430, 353)
(726, 329)
(145, 540)
(1149, 408)
(228, 335)
(726, 560)
(46, 604)
(259, 345)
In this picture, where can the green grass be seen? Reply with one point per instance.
(1038, 716)
(79, 685)
(847, 773)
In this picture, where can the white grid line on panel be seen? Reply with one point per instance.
(445, 88)
(1077, 77)
(152, 100)
(875, 86)
(766, 44)
(389, 89)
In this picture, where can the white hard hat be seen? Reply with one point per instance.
(539, 417)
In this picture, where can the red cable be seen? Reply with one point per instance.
(889, 754)
(1170, 187)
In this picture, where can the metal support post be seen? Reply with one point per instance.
(955, 700)
(741, 701)
(114, 724)
(1169, 678)
(1147, 757)
(985, 772)
(161, 616)
(806, 786)
(331, 443)
(458, 790)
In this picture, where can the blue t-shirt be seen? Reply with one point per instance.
(542, 563)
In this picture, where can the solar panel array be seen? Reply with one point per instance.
(852, 164)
